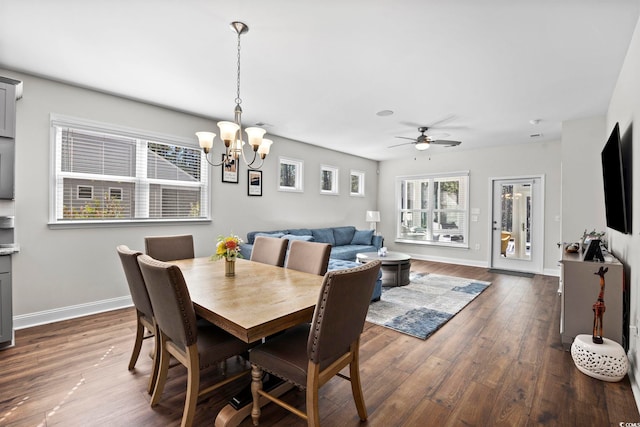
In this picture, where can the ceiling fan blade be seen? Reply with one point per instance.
(398, 145)
(404, 137)
(446, 142)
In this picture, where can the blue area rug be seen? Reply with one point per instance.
(425, 304)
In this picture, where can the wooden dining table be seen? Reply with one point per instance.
(260, 300)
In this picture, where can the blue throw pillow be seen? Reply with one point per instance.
(292, 237)
(362, 237)
(324, 235)
(343, 235)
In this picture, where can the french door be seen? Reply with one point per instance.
(517, 225)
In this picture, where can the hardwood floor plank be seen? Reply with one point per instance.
(500, 361)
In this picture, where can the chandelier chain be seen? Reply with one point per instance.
(238, 99)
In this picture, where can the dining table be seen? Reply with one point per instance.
(258, 301)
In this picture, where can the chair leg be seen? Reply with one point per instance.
(137, 345)
(153, 378)
(356, 386)
(313, 386)
(193, 386)
(163, 369)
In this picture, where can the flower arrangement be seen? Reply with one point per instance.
(228, 247)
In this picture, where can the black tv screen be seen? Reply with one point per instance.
(615, 198)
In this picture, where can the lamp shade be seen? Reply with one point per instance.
(205, 139)
(372, 216)
(255, 137)
(265, 145)
(228, 131)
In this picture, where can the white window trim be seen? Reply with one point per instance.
(299, 186)
(334, 191)
(399, 239)
(360, 175)
(142, 209)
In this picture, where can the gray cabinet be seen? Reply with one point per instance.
(6, 309)
(580, 286)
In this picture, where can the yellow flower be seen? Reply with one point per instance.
(228, 247)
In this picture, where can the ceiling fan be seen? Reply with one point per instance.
(423, 141)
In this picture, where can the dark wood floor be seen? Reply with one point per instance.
(498, 362)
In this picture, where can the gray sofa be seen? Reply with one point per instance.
(345, 241)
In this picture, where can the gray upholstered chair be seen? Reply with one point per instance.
(310, 257)
(309, 355)
(269, 250)
(144, 312)
(168, 248)
(196, 345)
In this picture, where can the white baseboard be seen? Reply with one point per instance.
(71, 312)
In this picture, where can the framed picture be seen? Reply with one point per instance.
(254, 183)
(291, 175)
(357, 183)
(328, 180)
(230, 171)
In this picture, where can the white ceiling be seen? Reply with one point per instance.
(319, 71)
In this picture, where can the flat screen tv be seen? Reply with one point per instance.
(615, 197)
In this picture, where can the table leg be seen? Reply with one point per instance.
(231, 417)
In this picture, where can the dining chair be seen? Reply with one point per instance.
(169, 248)
(309, 355)
(310, 257)
(144, 311)
(196, 345)
(269, 250)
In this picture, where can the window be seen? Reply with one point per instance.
(328, 180)
(108, 174)
(357, 183)
(290, 175)
(433, 209)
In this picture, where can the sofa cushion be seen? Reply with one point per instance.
(299, 232)
(362, 237)
(343, 235)
(251, 235)
(276, 235)
(292, 237)
(324, 235)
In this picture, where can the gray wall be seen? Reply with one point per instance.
(624, 107)
(69, 272)
(496, 162)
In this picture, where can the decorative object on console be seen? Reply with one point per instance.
(599, 308)
(231, 132)
(373, 217)
(228, 248)
(606, 361)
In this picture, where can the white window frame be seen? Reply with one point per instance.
(334, 191)
(426, 236)
(141, 215)
(298, 186)
(360, 175)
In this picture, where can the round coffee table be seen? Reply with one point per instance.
(395, 266)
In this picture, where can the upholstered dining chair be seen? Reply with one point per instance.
(310, 257)
(309, 355)
(269, 250)
(168, 248)
(196, 345)
(144, 312)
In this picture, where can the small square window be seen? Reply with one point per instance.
(85, 192)
(357, 183)
(328, 179)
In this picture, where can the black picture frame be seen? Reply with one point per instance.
(254, 183)
(593, 252)
(230, 170)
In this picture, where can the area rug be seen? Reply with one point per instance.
(425, 304)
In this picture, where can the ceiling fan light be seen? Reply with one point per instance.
(422, 146)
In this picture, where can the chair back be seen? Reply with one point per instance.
(168, 248)
(139, 295)
(310, 257)
(170, 299)
(269, 250)
(338, 319)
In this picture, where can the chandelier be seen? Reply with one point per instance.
(231, 132)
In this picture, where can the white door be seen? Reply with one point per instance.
(517, 224)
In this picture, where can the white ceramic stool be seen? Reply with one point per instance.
(606, 361)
